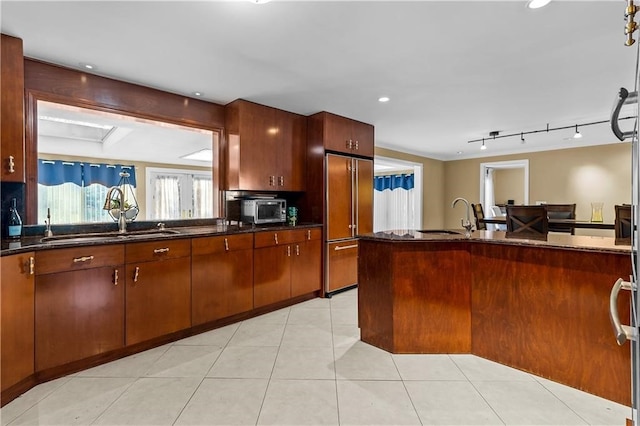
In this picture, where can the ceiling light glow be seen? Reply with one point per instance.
(384, 99)
(577, 134)
(259, 1)
(202, 155)
(537, 4)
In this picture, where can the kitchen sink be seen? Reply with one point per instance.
(106, 236)
(439, 232)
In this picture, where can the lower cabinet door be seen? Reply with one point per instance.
(271, 275)
(158, 298)
(17, 316)
(342, 265)
(78, 314)
(306, 267)
(222, 285)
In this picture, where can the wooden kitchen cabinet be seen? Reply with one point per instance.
(286, 264)
(158, 289)
(306, 267)
(342, 264)
(79, 303)
(12, 110)
(222, 277)
(17, 316)
(341, 134)
(265, 148)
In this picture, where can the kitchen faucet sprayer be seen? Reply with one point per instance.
(465, 224)
(122, 221)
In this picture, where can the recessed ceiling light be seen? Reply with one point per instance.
(384, 99)
(197, 93)
(537, 4)
(259, 1)
(87, 66)
(460, 152)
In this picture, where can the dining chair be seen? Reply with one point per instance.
(496, 211)
(527, 220)
(561, 211)
(478, 213)
(622, 224)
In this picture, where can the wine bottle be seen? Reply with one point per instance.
(14, 223)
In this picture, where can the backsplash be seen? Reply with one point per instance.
(9, 190)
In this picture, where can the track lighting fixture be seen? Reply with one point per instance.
(577, 134)
(522, 138)
(483, 147)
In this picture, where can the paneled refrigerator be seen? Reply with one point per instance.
(349, 212)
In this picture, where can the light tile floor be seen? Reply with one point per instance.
(303, 365)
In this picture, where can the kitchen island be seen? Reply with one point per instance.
(541, 306)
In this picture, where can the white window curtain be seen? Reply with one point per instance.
(394, 202)
(489, 193)
(202, 197)
(166, 196)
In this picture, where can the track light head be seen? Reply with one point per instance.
(577, 134)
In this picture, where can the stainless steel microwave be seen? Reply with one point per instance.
(261, 211)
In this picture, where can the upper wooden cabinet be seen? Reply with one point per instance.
(341, 134)
(265, 148)
(12, 109)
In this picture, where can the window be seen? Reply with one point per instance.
(179, 194)
(75, 192)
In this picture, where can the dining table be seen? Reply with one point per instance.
(559, 223)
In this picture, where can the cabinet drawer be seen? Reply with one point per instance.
(273, 238)
(157, 250)
(342, 264)
(221, 244)
(309, 234)
(78, 258)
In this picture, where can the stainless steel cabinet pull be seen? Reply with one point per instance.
(308, 234)
(12, 164)
(82, 259)
(161, 250)
(349, 144)
(288, 250)
(272, 180)
(622, 332)
(337, 248)
(275, 237)
(115, 277)
(350, 226)
(135, 274)
(356, 145)
(281, 179)
(32, 265)
(297, 250)
(226, 244)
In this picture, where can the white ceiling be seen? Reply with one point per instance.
(454, 70)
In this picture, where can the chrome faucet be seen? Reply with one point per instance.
(466, 224)
(122, 221)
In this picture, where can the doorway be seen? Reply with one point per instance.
(397, 202)
(504, 181)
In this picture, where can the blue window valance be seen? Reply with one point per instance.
(57, 172)
(391, 182)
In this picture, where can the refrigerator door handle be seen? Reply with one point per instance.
(622, 332)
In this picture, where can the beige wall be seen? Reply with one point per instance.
(578, 175)
(507, 185)
(432, 184)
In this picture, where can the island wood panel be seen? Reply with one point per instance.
(415, 298)
(546, 311)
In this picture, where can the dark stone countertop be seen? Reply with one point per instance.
(35, 243)
(553, 240)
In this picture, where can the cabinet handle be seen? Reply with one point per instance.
(281, 179)
(135, 274)
(226, 244)
(350, 226)
(289, 251)
(32, 265)
(356, 145)
(349, 144)
(82, 259)
(308, 234)
(272, 180)
(338, 248)
(297, 250)
(161, 250)
(275, 237)
(115, 277)
(12, 164)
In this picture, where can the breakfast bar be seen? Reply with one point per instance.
(541, 306)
